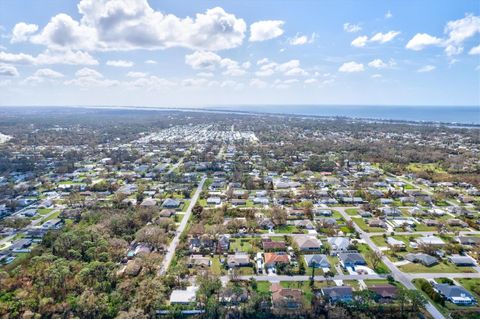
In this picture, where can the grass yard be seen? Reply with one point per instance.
(442, 267)
(287, 229)
(240, 244)
(351, 211)
(263, 287)
(361, 223)
(375, 282)
(44, 211)
(472, 285)
(54, 215)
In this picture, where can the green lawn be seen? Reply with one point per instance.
(471, 284)
(238, 244)
(217, 267)
(361, 223)
(263, 286)
(286, 229)
(351, 211)
(44, 211)
(54, 215)
(375, 282)
(439, 268)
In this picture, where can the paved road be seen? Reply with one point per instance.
(403, 278)
(174, 167)
(35, 222)
(277, 278)
(183, 224)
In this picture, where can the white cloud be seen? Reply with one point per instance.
(384, 37)
(87, 72)
(205, 74)
(379, 64)
(453, 50)
(388, 15)
(351, 66)
(203, 60)
(120, 63)
(422, 40)
(289, 68)
(151, 62)
(259, 84)
(126, 25)
(352, 28)
(8, 70)
(426, 68)
(457, 32)
(22, 31)
(376, 76)
(49, 57)
(302, 39)
(360, 41)
(379, 37)
(474, 50)
(310, 81)
(265, 30)
(136, 74)
(48, 73)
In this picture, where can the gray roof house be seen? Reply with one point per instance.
(462, 260)
(171, 203)
(455, 294)
(339, 243)
(422, 258)
(317, 261)
(351, 259)
(334, 294)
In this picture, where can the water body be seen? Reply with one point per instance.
(445, 114)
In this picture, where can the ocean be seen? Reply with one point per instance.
(445, 114)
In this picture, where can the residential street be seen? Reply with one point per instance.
(176, 240)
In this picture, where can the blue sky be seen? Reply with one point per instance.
(197, 53)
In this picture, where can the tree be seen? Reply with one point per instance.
(417, 300)
(375, 257)
(279, 215)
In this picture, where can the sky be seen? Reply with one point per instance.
(175, 53)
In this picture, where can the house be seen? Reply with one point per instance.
(317, 261)
(138, 249)
(261, 200)
(308, 243)
(266, 223)
(214, 201)
(463, 261)
(455, 294)
(21, 246)
(327, 222)
(270, 245)
(55, 223)
(286, 298)
(455, 222)
(391, 211)
(352, 200)
(183, 297)
(201, 244)
(395, 243)
(469, 240)
(233, 296)
(384, 292)
(430, 240)
(167, 213)
(335, 294)
(239, 259)
(339, 243)
(305, 223)
(238, 202)
(171, 203)
(272, 259)
(377, 223)
(351, 259)
(223, 243)
(148, 202)
(422, 258)
(199, 260)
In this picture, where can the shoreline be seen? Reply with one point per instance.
(230, 110)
